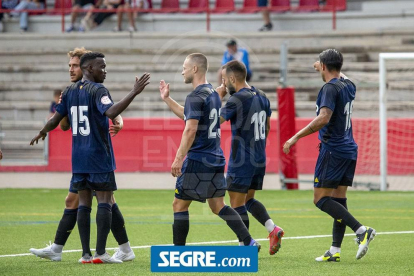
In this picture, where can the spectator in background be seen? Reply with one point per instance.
(90, 23)
(8, 5)
(235, 53)
(55, 102)
(27, 5)
(266, 16)
(1, 155)
(76, 5)
(141, 4)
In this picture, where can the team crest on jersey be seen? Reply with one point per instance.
(105, 100)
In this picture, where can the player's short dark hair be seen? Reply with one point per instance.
(90, 56)
(332, 58)
(231, 42)
(200, 60)
(237, 68)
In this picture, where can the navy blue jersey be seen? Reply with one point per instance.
(85, 103)
(338, 95)
(203, 104)
(248, 111)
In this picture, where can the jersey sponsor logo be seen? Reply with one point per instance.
(105, 100)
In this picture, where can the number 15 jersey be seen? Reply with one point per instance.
(338, 95)
(85, 104)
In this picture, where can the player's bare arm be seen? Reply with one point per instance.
(222, 91)
(319, 122)
(64, 124)
(50, 125)
(118, 124)
(187, 140)
(120, 106)
(172, 104)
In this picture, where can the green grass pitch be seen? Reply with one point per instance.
(29, 218)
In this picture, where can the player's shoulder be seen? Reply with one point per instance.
(203, 91)
(259, 92)
(70, 87)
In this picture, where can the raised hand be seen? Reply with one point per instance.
(36, 139)
(317, 66)
(141, 83)
(164, 90)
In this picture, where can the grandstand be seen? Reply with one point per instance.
(34, 64)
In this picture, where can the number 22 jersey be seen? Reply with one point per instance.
(85, 104)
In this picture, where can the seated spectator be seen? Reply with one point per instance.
(141, 4)
(268, 26)
(7, 5)
(97, 20)
(27, 5)
(234, 53)
(55, 102)
(76, 5)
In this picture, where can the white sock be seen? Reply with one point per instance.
(334, 250)
(241, 243)
(125, 247)
(57, 248)
(269, 224)
(361, 230)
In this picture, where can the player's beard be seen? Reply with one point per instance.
(230, 89)
(188, 79)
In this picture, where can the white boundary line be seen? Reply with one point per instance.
(218, 242)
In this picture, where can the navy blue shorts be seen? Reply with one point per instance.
(262, 3)
(332, 171)
(244, 184)
(71, 188)
(94, 181)
(200, 182)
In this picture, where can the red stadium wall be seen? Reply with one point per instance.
(149, 145)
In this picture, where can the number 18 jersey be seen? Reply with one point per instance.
(338, 95)
(248, 111)
(85, 104)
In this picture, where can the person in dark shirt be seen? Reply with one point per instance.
(335, 167)
(248, 110)
(200, 175)
(88, 105)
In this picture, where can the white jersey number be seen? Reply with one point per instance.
(214, 115)
(85, 130)
(348, 111)
(259, 121)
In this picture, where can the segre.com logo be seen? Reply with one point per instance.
(204, 259)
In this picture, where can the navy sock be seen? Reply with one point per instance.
(235, 223)
(242, 211)
(84, 226)
(103, 225)
(181, 227)
(118, 225)
(66, 225)
(337, 211)
(257, 209)
(339, 228)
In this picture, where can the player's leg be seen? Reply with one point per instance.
(329, 174)
(232, 219)
(237, 201)
(84, 222)
(67, 223)
(124, 252)
(103, 219)
(181, 225)
(259, 212)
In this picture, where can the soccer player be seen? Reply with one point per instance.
(67, 223)
(200, 142)
(248, 110)
(335, 167)
(88, 105)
